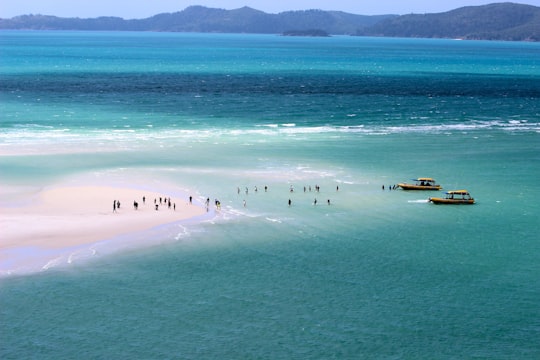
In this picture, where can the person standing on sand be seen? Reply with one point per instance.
(114, 206)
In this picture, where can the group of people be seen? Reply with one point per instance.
(157, 203)
(291, 190)
(247, 189)
(314, 201)
(167, 200)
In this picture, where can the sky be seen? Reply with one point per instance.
(138, 9)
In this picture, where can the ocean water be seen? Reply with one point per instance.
(375, 274)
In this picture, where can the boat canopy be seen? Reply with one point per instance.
(458, 192)
(424, 179)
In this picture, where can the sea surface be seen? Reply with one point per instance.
(373, 274)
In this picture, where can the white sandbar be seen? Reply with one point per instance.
(68, 216)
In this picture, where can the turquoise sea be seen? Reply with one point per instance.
(375, 274)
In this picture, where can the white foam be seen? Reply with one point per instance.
(52, 263)
(420, 201)
(30, 138)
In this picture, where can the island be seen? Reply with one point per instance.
(312, 32)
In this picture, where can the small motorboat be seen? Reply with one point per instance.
(421, 184)
(457, 197)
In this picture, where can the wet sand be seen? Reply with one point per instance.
(67, 216)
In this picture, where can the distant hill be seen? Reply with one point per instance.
(248, 20)
(203, 19)
(500, 21)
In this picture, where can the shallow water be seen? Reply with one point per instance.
(374, 274)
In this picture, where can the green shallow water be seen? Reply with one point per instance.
(376, 274)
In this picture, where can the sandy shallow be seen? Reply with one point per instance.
(68, 216)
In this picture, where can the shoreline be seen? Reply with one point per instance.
(66, 217)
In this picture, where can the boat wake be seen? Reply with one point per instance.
(421, 201)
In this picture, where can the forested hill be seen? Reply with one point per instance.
(203, 19)
(500, 21)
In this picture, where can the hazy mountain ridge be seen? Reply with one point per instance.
(499, 21)
(203, 19)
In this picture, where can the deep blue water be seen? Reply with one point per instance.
(377, 274)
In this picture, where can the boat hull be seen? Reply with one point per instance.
(419, 187)
(443, 201)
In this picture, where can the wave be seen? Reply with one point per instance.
(36, 134)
